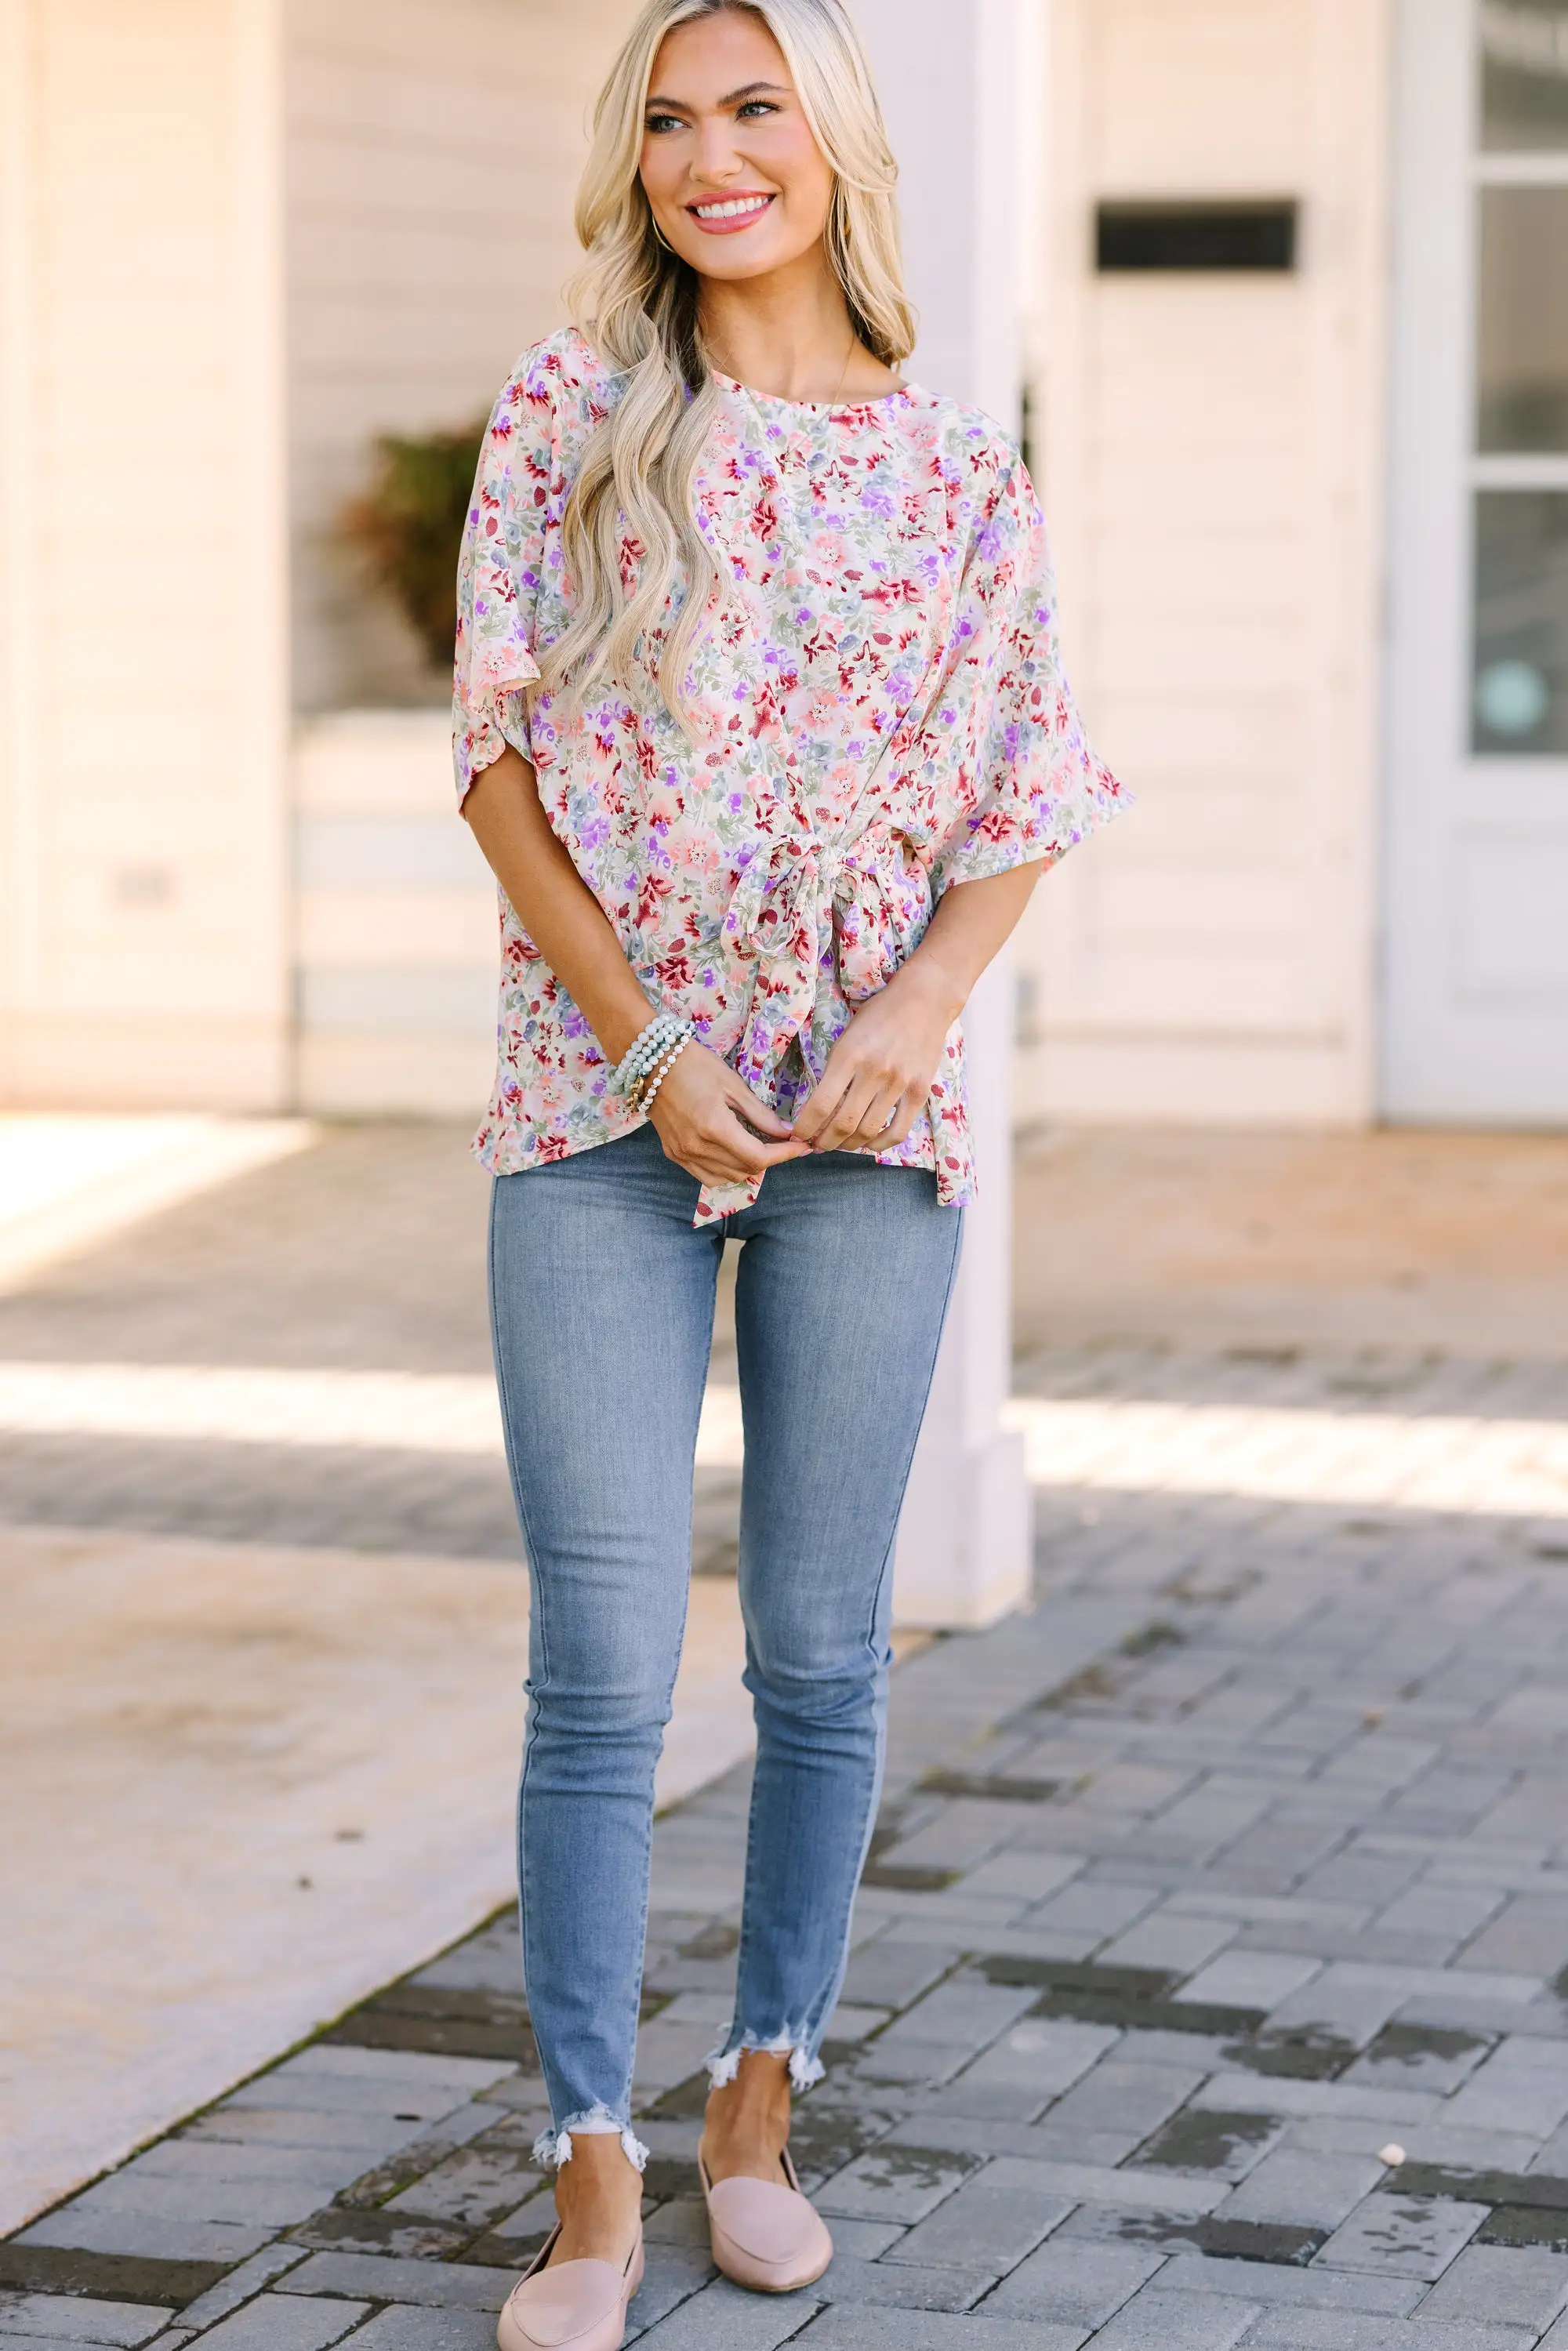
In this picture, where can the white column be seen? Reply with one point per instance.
(950, 73)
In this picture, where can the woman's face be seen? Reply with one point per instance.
(737, 181)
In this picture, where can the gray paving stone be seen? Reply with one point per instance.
(275, 2321)
(865, 2240)
(474, 2186)
(711, 2010)
(1021, 2073)
(326, 2094)
(1523, 2086)
(989, 2223)
(1404, 2236)
(81, 2319)
(391, 2277)
(1074, 2281)
(1528, 1935)
(1154, 2321)
(370, 2135)
(1454, 1912)
(1200, 1824)
(1135, 2099)
(1317, 2330)
(1514, 2285)
(1030, 1877)
(257, 2199)
(46, 2343)
(1312, 2191)
(1101, 2149)
(1093, 1907)
(1135, 1788)
(1404, 2059)
(963, 1833)
(723, 2318)
(192, 2159)
(672, 2275)
(1352, 2000)
(1257, 1979)
(685, 2223)
(917, 2063)
(239, 2285)
(959, 2015)
(327, 2059)
(145, 2235)
(896, 2183)
(1168, 1938)
(843, 2328)
(900, 2285)
(400, 2329)
(892, 1972)
(1314, 2288)
(1139, 2189)
(1483, 2150)
(1217, 2146)
(1367, 2134)
(668, 2054)
(1279, 2094)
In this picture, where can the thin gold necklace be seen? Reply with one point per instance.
(839, 389)
(849, 362)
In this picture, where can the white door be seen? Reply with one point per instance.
(1476, 1026)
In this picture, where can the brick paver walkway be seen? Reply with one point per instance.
(1158, 1970)
(1206, 1981)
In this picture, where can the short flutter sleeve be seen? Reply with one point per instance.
(1027, 782)
(499, 572)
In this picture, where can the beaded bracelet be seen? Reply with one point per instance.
(646, 1103)
(646, 1049)
(637, 1092)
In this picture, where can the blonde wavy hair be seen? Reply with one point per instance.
(637, 302)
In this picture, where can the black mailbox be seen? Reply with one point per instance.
(1226, 235)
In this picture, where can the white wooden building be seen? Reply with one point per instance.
(1311, 523)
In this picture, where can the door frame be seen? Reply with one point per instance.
(1442, 1057)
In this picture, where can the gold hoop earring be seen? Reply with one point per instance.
(659, 234)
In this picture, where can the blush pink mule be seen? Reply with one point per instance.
(765, 2234)
(573, 2306)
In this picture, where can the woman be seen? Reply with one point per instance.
(761, 727)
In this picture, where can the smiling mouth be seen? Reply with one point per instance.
(725, 214)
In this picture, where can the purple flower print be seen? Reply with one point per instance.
(877, 712)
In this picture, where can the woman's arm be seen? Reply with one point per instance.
(878, 1076)
(702, 1113)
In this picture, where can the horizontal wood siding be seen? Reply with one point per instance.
(434, 148)
(141, 614)
(1211, 454)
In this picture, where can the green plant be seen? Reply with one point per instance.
(408, 526)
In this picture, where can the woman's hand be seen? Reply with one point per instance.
(878, 1077)
(704, 1114)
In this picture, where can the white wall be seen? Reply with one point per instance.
(949, 73)
(142, 712)
(1212, 453)
(947, 80)
(433, 147)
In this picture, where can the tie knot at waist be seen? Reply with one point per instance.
(791, 898)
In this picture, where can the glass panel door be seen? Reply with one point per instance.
(1520, 705)
(1476, 1003)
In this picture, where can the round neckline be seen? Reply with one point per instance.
(812, 407)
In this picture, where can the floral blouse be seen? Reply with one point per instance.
(879, 712)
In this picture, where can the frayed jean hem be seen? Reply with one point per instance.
(553, 2148)
(724, 2062)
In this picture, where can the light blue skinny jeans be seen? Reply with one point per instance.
(602, 1302)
